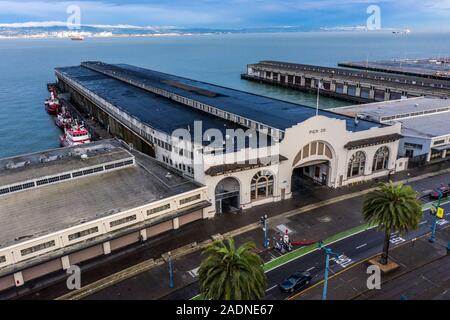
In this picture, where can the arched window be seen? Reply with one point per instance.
(262, 185)
(356, 164)
(381, 159)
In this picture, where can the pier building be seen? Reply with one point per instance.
(347, 84)
(145, 108)
(64, 207)
(425, 125)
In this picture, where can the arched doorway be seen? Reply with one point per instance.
(312, 166)
(227, 194)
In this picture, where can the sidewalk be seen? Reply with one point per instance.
(423, 274)
(320, 222)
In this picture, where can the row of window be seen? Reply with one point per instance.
(438, 142)
(413, 114)
(63, 177)
(179, 166)
(169, 147)
(158, 209)
(38, 247)
(190, 199)
(415, 146)
(357, 163)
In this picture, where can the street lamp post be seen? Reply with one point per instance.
(432, 238)
(170, 270)
(264, 226)
(318, 97)
(328, 252)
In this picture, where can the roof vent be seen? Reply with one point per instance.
(168, 175)
(416, 105)
(84, 156)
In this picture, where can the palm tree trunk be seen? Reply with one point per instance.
(387, 242)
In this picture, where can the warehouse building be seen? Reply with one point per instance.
(145, 108)
(425, 125)
(66, 206)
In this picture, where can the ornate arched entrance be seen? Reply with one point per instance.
(227, 195)
(313, 161)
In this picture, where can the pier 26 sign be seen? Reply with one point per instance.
(315, 131)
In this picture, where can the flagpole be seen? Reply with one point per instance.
(318, 94)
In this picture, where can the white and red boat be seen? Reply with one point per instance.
(52, 105)
(63, 119)
(74, 135)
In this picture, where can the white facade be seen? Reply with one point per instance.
(318, 142)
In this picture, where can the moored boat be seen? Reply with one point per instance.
(75, 134)
(52, 105)
(63, 119)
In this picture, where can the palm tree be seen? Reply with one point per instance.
(228, 273)
(394, 209)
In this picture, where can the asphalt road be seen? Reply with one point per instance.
(351, 250)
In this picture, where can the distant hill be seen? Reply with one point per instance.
(60, 30)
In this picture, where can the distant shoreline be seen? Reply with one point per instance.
(94, 36)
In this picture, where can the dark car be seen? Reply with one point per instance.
(445, 190)
(296, 281)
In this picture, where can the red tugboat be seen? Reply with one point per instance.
(52, 105)
(74, 135)
(63, 119)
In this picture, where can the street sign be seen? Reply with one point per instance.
(440, 213)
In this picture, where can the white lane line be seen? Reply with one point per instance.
(310, 269)
(423, 222)
(272, 288)
(361, 246)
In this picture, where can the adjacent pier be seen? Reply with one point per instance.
(351, 85)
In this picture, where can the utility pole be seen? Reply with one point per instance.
(328, 252)
(436, 210)
(318, 97)
(170, 270)
(263, 222)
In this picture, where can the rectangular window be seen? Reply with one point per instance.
(413, 146)
(83, 233)
(190, 199)
(116, 223)
(37, 248)
(158, 209)
(109, 167)
(2, 259)
(438, 142)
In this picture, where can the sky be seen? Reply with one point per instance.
(233, 14)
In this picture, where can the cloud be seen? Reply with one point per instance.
(224, 13)
(48, 24)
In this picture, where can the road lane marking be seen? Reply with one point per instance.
(272, 288)
(423, 222)
(351, 267)
(361, 246)
(310, 269)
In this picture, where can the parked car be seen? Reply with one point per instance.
(445, 190)
(296, 281)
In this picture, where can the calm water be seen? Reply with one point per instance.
(27, 65)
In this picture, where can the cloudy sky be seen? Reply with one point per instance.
(311, 14)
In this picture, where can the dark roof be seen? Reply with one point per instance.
(272, 112)
(158, 112)
(373, 141)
